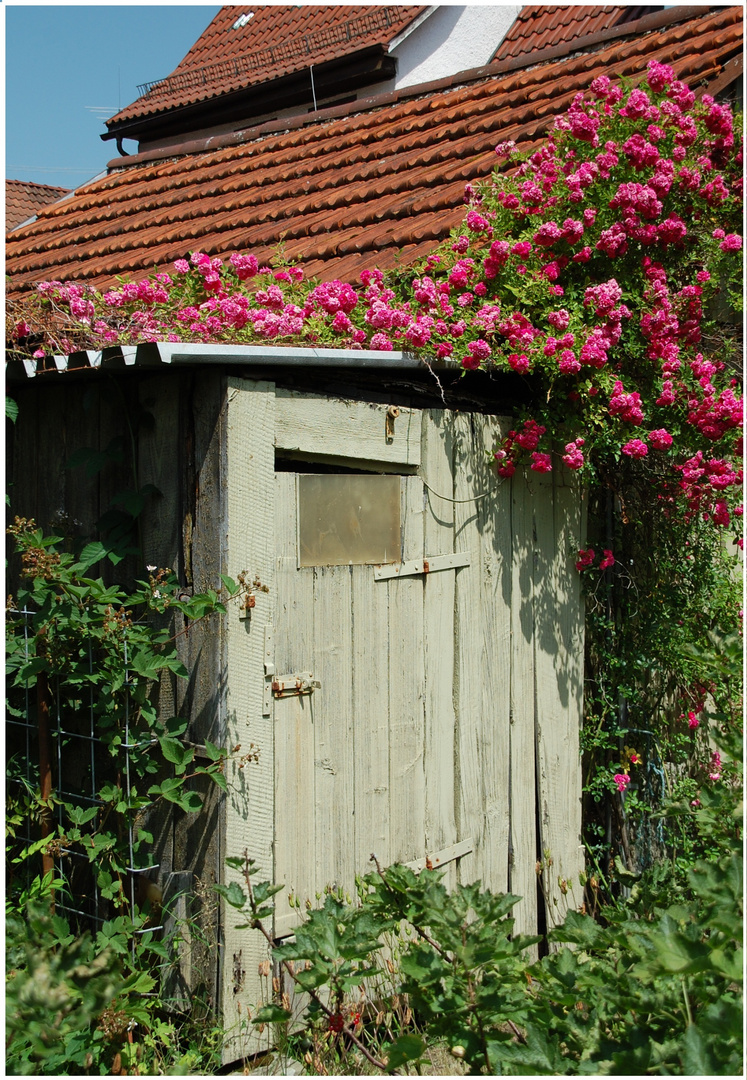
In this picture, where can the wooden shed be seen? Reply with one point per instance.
(411, 678)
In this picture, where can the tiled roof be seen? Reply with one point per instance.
(361, 185)
(23, 199)
(276, 41)
(542, 26)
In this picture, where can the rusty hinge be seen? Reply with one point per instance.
(301, 682)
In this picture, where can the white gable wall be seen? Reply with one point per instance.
(451, 39)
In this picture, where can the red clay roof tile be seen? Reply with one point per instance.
(278, 40)
(366, 188)
(23, 199)
(541, 26)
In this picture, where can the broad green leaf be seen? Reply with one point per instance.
(233, 894)
(406, 1048)
(91, 553)
(173, 750)
(271, 1014)
(190, 801)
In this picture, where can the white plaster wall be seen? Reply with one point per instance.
(453, 38)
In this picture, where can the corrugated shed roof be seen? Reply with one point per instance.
(276, 41)
(345, 189)
(542, 26)
(23, 199)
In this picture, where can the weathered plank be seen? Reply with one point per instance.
(522, 877)
(371, 750)
(438, 637)
(469, 666)
(329, 427)
(558, 649)
(407, 689)
(334, 806)
(493, 535)
(483, 606)
(158, 443)
(249, 820)
(293, 640)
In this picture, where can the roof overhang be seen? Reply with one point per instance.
(346, 74)
(154, 354)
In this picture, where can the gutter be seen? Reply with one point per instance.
(153, 354)
(659, 19)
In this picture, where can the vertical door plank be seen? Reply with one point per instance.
(370, 671)
(493, 543)
(332, 711)
(523, 879)
(483, 615)
(407, 688)
(469, 666)
(249, 813)
(293, 650)
(558, 648)
(438, 624)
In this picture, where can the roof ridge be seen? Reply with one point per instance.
(667, 17)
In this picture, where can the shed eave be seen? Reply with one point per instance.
(210, 354)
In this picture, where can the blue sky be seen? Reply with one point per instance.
(63, 61)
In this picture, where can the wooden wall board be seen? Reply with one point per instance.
(295, 773)
(249, 807)
(483, 635)
(493, 540)
(345, 429)
(407, 689)
(370, 701)
(469, 666)
(334, 804)
(200, 476)
(522, 877)
(558, 636)
(438, 632)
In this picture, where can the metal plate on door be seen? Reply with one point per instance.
(295, 684)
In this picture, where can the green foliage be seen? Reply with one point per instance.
(650, 987)
(76, 1001)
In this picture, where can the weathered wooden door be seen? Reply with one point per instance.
(363, 665)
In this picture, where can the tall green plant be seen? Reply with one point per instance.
(92, 654)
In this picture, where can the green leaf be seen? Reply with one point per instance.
(230, 584)
(405, 1048)
(139, 983)
(233, 894)
(173, 750)
(190, 801)
(213, 752)
(91, 553)
(271, 1014)
(11, 410)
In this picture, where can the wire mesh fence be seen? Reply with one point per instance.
(60, 764)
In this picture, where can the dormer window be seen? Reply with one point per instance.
(243, 20)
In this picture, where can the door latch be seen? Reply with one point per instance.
(301, 682)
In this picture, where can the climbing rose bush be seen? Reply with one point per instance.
(591, 266)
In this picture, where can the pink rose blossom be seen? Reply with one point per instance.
(636, 448)
(660, 439)
(585, 558)
(541, 463)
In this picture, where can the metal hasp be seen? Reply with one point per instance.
(422, 566)
(301, 682)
